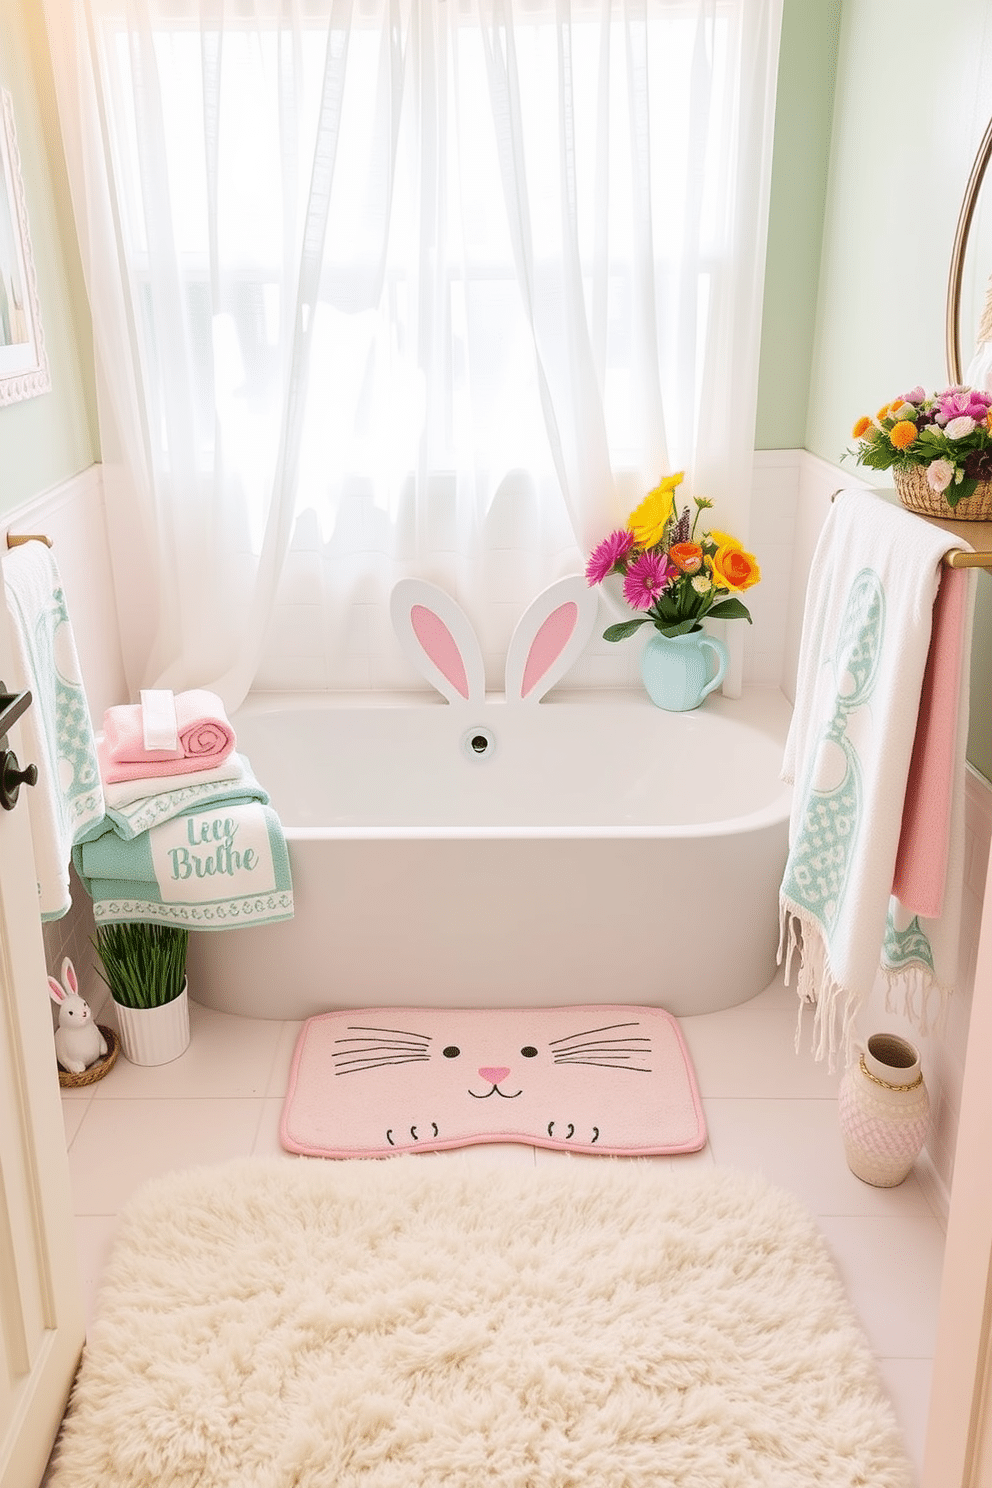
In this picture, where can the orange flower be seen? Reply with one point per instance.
(735, 569)
(884, 411)
(861, 427)
(903, 434)
(687, 557)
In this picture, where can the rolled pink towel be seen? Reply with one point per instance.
(204, 734)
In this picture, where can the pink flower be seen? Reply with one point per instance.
(939, 475)
(645, 579)
(963, 403)
(607, 554)
(960, 427)
(916, 395)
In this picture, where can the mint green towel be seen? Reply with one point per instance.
(209, 869)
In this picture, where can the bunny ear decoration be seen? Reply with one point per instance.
(438, 638)
(55, 990)
(69, 979)
(549, 636)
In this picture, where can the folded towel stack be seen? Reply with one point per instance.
(202, 732)
(188, 837)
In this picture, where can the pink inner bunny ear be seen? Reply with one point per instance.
(69, 976)
(438, 640)
(440, 646)
(55, 990)
(546, 647)
(549, 637)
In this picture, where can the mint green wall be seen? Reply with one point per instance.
(803, 113)
(47, 439)
(912, 101)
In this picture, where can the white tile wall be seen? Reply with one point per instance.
(942, 1049)
(791, 497)
(72, 516)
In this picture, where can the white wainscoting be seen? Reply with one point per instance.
(791, 496)
(72, 516)
(812, 483)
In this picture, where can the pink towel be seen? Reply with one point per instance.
(921, 861)
(205, 739)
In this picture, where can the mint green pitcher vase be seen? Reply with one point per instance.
(678, 670)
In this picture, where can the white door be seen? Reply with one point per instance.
(41, 1309)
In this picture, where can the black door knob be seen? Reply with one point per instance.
(12, 777)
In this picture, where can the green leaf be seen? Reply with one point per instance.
(683, 627)
(959, 492)
(144, 965)
(730, 609)
(625, 628)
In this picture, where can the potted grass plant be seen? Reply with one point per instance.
(144, 965)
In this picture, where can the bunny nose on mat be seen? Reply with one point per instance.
(494, 1072)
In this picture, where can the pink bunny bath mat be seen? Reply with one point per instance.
(371, 1082)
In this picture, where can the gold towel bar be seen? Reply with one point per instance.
(961, 558)
(973, 532)
(14, 539)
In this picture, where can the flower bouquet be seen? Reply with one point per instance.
(671, 577)
(938, 448)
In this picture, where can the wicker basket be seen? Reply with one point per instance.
(95, 1071)
(915, 494)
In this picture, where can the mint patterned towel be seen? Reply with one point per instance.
(57, 732)
(866, 634)
(215, 867)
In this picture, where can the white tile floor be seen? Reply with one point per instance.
(767, 1108)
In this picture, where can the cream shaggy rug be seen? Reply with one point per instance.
(421, 1321)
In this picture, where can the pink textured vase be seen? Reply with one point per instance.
(884, 1108)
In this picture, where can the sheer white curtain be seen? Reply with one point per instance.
(384, 287)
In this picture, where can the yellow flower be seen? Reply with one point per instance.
(903, 434)
(732, 567)
(884, 412)
(861, 427)
(647, 521)
(671, 481)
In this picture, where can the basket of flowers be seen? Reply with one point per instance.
(939, 449)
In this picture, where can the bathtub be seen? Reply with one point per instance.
(589, 848)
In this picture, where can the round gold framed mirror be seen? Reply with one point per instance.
(959, 259)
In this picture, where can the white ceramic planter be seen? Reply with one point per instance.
(884, 1109)
(155, 1035)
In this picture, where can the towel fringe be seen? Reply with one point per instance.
(835, 1007)
(912, 993)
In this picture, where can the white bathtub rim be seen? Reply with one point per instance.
(767, 816)
(273, 701)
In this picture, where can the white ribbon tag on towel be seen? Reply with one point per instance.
(158, 718)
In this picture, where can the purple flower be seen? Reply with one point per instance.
(963, 403)
(645, 579)
(606, 555)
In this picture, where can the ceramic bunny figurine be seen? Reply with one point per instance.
(78, 1041)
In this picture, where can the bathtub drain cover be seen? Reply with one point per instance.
(478, 743)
